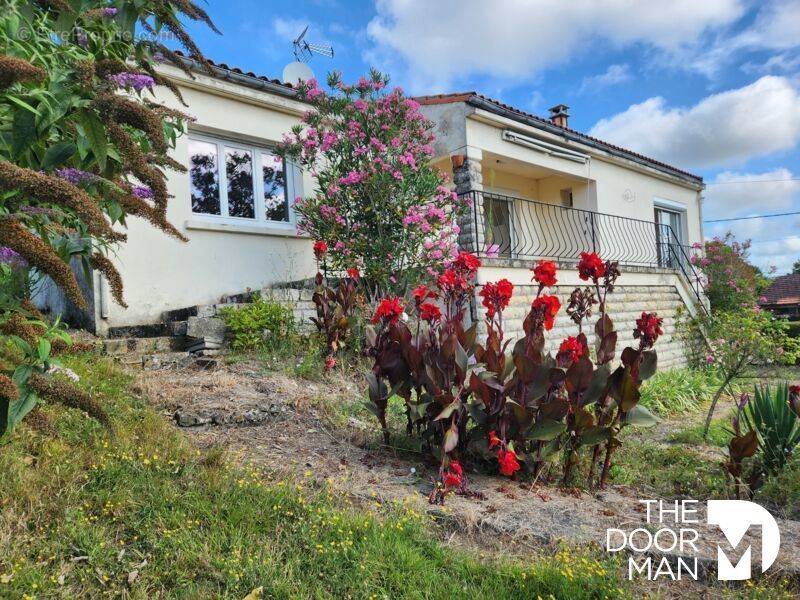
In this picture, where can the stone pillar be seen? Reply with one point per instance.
(467, 177)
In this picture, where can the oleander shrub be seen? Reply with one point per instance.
(514, 408)
(261, 324)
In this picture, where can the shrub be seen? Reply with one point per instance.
(379, 205)
(731, 281)
(261, 324)
(773, 419)
(84, 149)
(680, 391)
(473, 401)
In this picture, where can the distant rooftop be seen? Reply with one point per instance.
(784, 290)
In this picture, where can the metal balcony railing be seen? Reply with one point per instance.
(521, 229)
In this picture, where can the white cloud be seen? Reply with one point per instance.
(738, 194)
(732, 193)
(722, 129)
(613, 75)
(444, 40)
(288, 29)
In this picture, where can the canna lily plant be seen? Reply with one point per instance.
(515, 405)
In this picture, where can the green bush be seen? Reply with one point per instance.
(680, 390)
(776, 424)
(262, 324)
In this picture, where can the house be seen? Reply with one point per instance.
(782, 297)
(539, 190)
(543, 190)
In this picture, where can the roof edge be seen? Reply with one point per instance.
(504, 110)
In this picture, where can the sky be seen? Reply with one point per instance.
(710, 86)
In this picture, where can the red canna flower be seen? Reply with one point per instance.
(591, 266)
(353, 273)
(320, 249)
(451, 282)
(549, 307)
(508, 462)
(452, 480)
(648, 328)
(330, 363)
(422, 292)
(493, 439)
(389, 311)
(428, 311)
(794, 398)
(496, 296)
(456, 467)
(545, 272)
(467, 262)
(569, 351)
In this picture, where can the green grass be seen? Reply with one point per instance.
(718, 434)
(667, 471)
(679, 390)
(143, 514)
(783, 490)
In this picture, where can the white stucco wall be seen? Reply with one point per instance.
(161, 273)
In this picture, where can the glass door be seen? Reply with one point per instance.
(669, 235)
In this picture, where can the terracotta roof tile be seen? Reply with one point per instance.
(784, 290)
(467, 96)
(238, 71)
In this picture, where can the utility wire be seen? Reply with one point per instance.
(797, 212)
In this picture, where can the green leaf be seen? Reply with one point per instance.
(22, 104)
(23, 131)
(450, 439)
(57, 154)
(649, 365)
(43, 349)
(546, 430)
(641, 417)
(448, 410)
(594, 435)
(96, 137)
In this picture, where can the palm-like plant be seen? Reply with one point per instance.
(777, 426)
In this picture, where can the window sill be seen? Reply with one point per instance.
(287, 230)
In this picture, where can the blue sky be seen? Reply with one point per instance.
(712, 86)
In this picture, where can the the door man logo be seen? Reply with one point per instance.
(674, 534)
(734, 518)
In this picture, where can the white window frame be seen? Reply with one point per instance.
(292, 175)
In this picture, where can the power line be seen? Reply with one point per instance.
(786, 214)
(753, 181)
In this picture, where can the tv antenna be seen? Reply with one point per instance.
(304, 50)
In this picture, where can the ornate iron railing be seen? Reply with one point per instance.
(521, 229)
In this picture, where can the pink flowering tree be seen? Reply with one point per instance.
(378, 203)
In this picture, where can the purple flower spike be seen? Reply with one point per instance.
(136, 81)
(142, 192)
(110, 12)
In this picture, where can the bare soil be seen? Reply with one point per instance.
(293, 436)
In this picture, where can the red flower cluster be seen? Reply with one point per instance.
(569, 351)
(353, 273)
(508, 462)
(428, 311)
(320, 249)
(591, 266)
(794, 398)
(493, 439)
(422, 292)
(467, 262)
(496, 296)
(452, 282)
(545, 272)
(388, 311)
(549, 307)
(454, 476)
(648, 328)
(794, 389)
(330, 363)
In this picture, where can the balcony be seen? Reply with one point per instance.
(515, 231)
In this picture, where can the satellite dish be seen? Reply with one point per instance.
(297, 71)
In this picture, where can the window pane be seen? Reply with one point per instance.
(276, 203)
(239, 168)
(204, 177)
(497, 226)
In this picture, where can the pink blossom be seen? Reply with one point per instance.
(492, 251)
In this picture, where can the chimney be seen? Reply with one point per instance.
(559, 115)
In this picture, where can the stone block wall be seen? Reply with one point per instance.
(625, 305)
(298, 299)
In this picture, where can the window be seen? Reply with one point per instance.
(252, 184)
(497, 225)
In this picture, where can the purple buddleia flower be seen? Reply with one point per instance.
(110, 12)
(136, 81)
(82, 39)
(10, 257)
(74, 176)
(143, 192)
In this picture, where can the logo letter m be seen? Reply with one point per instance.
(734, 518)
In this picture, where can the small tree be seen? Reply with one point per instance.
(732, 281)
(378, 203)
(796, 267)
